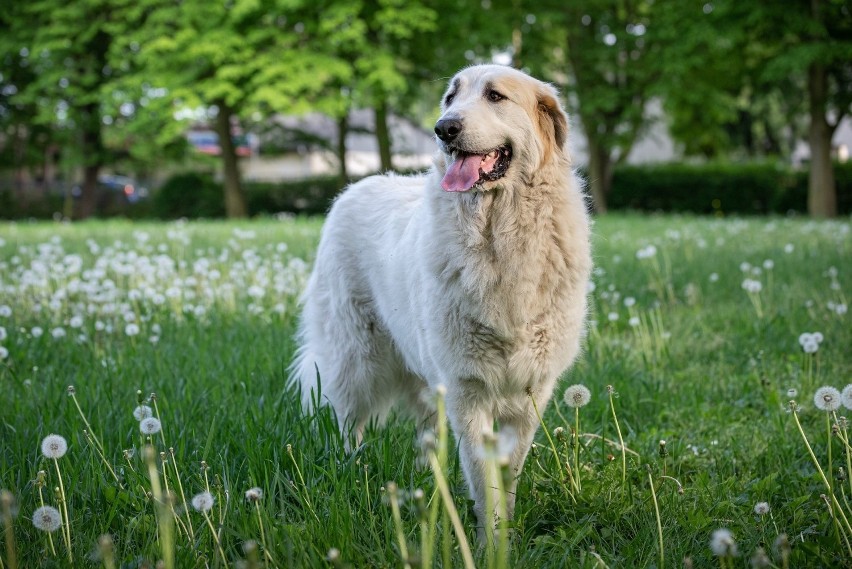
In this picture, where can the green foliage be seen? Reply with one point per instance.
(190, 195)
(720, 188)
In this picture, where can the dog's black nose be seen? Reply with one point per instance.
(448, 129)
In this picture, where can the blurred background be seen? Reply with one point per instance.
(190, 108)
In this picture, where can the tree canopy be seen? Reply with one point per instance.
(89, 83)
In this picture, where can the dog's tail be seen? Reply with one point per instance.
(305, 377)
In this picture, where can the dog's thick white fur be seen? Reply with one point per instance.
(481, 289)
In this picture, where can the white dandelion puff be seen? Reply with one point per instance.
(752, 286)
(4, 353)
(142, 412)
(254, 494)
(203, 501)
(47, 518)
(827, 398)
(792, 393)
(150, 426)
(131, 329)
(722, 543)
(54, 446)
(761, 508)
(577, 396)
(846, 396)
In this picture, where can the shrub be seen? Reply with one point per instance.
(753, 188)
(189, 194)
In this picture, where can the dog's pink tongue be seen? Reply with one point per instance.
(462, 174)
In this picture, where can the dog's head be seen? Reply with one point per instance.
(497, 126)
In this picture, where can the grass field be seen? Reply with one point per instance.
(203, 314)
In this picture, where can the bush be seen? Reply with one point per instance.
(189, 195)
(311, 197)
(754, 188)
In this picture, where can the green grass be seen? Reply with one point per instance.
(701, 371)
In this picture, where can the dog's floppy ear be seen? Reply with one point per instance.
(551, 117)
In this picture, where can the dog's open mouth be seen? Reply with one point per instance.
(470, 169)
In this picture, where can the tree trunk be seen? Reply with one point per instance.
(822, 192)
(600, 175)
(92, 149)
(383, 134)
(235, 201)
(342, 130)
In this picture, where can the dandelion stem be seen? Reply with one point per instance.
(90, 437)
(620, 438)
(451, 511)
(7, 500)
(577, 448)
(215, 537)
(85, 421)
(161, 510)
(66, 530)
(268, 556)
(848, 528)
(304, 486)
(657, 513)
(397, 523)
(610, 442)
(182, 495)
(49, 536)
(555, 452)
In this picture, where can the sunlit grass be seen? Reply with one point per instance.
(690, 357)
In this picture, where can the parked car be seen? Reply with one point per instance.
(115, 185)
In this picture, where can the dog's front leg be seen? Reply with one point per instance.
(469, 421)
(525, 426)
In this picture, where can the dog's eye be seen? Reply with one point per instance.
(494, 96)
(449, 99)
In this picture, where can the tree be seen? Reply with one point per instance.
(602, 52)
(763, 64)
(67, 48)
(240, 58)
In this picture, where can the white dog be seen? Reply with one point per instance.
(472, 276)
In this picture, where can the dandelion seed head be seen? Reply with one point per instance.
(722, 543)
(761, 508)
(792, 393)
(47, 518)
(752, 286)
(577, 396)
(142, 412)
(4, 353)
(203, 502)
(760, 560)
(150, 426)
(54, 446)
(827, 398)
(846, 396)
(254, 494)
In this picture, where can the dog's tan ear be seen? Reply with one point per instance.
(552, 119)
